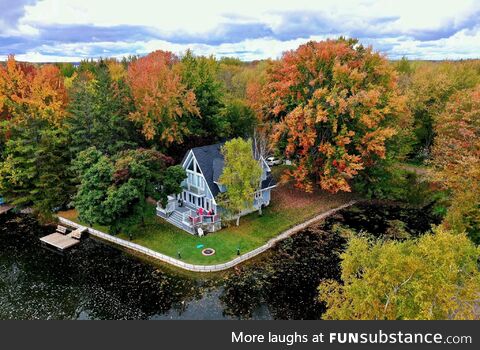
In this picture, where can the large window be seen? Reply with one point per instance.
(195, 180)
(194, 175)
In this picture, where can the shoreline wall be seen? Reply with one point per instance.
(204, 268)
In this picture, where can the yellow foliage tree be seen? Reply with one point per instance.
(433, 277)
(456, 160)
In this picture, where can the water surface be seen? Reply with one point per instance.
(97, 281)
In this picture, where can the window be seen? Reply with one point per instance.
(207, 204)
(191, 165)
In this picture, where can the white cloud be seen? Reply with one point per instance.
(249, 29)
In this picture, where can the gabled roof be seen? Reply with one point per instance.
(211, 162)
(268, 182)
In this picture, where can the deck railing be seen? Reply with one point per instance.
(192, 218)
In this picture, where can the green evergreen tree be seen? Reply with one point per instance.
(35, 171)
(200, 74)
(239, 119)
(99, 110)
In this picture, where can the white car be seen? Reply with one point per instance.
(271, 161)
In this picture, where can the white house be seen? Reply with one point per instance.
(196, 207)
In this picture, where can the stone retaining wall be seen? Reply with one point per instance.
(204, 268)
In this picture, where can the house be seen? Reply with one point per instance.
(196, 206)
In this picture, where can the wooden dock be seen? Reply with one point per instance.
(5, 209)
(63, 241)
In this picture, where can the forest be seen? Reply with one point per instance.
(105, 136)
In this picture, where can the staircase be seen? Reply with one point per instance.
(175, 218)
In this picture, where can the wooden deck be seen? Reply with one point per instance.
(5, 209)
(59, 241)
(62, 241)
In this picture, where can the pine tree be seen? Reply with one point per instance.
(35, 172)
(99, 110)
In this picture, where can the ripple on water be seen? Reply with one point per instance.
(97, 281)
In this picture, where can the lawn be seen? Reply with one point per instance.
(288, 207)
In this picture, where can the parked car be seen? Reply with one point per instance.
(271, 161)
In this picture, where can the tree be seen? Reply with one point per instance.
(14, 86)
(35, 171)
(66, 69)
(229, 70)
(336, 107)
(428, 91)
(32, 109)
(114, 191)
(241, 176)
(456, 160)
(433, 277)
(93, 189)
(199, 74)
(171, 183)
(27, 92)
(162, 101)
(239, 119)
(99, 111)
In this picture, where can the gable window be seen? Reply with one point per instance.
(194, 175)
(191, 166)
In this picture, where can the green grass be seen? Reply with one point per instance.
(288, 208)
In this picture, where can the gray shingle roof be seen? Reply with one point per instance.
(210, 160)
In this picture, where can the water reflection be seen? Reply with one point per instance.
(96, 281)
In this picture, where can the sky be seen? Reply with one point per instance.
(72, 30)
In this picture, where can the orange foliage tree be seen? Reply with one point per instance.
(161, 100)
(334, 104)
(27, 93)
(456, 159)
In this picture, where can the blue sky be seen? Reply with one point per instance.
(70, 30)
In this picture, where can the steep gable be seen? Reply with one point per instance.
(211, 162)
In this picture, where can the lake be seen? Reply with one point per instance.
(98, 281)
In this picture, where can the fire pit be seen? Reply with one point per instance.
(208, 251)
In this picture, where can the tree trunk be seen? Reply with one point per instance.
(238, 220)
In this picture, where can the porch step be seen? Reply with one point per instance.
(176, 219)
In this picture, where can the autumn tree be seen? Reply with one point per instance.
(435, 277)
(229, 69)
(429, 89)
(241, 176)
(29, 93)
(163, 103)
(336, 106)
(32, 105)
(456, 160)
